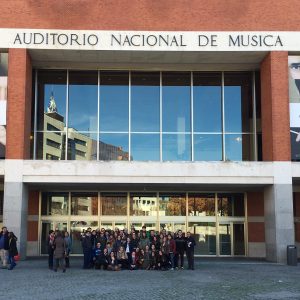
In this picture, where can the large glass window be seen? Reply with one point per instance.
(146, 116)
(55, 204)
(114, 101)
(231, 205)
(84, 204)
(172, 205)
(143, 204)
(201, 204)
(207, 88)
(114, 204)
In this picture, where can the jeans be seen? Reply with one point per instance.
(172, 256)
(11, 261)
(4, 257)
(181, 254)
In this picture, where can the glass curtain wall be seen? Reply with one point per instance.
(216, 220)
(146, 116)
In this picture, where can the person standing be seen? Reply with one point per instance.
(4, 246)
(172, 251)
(180, 248)
(12, 251)
(68, 243)
(87, 249)
(190, 245)
(59, 252)
(50, 245)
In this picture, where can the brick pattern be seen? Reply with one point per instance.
(152, 15)
(19, 104)
(275, 107)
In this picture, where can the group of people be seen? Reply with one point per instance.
(119, 249)
(8, 249)
(147, 250)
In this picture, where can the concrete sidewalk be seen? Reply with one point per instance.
(212, 279)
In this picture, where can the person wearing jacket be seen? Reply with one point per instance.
(122, 258)
(113, 263)
(180, 248)
(13, 251)
(144, 240)
(4, 247)
(172, 251)
(68, 243)
(59, 252)
(190, 245)
(50, 246)
(86, 244)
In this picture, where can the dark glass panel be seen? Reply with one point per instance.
(201, 204)
(114, 204)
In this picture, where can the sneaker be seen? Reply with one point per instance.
(182, 268)
(172, 269)
(176, 268)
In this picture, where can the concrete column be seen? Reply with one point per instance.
(16, 203)
(279, 219)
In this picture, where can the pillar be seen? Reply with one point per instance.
(279, 218)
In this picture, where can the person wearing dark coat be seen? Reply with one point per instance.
(50, 247)
(4, 247)
(12, 251)
(59, 252)
(180, 248)
(190, 245)
(87, 247)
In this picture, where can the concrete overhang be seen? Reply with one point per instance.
(150, 60)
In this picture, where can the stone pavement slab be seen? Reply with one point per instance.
(212, 279)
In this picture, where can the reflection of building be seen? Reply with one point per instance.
(80, 146)
(199, 119)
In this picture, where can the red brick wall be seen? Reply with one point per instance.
(32, 231)
(255, 208)
(19, 104)
(152, 15)
(33, 203)
(275, 107)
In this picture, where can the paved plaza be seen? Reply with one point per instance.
(213, 279)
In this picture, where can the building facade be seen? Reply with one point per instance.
(176, 115)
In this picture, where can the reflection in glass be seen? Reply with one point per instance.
(204, 234)
(84, 204)
(225, 239)
(145, 147)
(50, 145)
(176, 147)
(145, 97)
(172, 205)
(172, 227)
(239, 147)
(231, 205)
(238, 102)
(113, 146)
(77, 229)
(52, 91)
(114, 100)
(201, 204)
(176, 101)
(143, 205)
(82, 145)
(207, 147)
(54, 204)
(83, 100)
(46, 227)
(114, 204)
(207, 101)
(238, 239)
